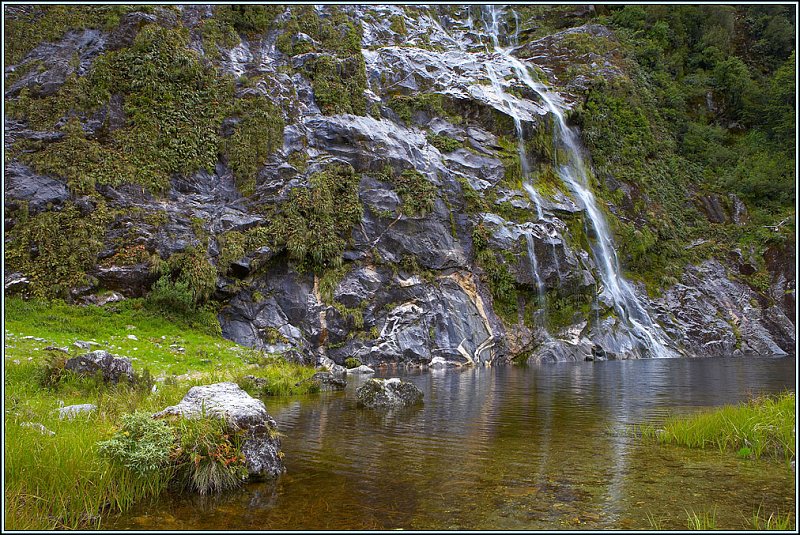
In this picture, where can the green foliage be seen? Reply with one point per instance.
(231, 248)
(765, 425)
(315, 223)
(56, 249)
(330, 279)
(417, 193)
(443, 143)
(252, 20)
(171, 298)
(406, 105)
(209, 457)
(192, 268)
(339, 84)
(142, 445)
(257, 135)
(24, 29)
(352, 362)
(398, 24)
(54, 369)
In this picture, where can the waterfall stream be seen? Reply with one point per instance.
(571, 168)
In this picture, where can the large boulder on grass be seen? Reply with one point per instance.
(242, 412)
(388, 394)
(112, 367)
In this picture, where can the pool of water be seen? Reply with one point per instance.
(540, 447)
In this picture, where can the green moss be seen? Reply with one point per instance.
(417, 193)
(253, 20)
(443, 143)
(329, 280)
(315, 223)
(258, 134)
(354, 315)
(48, 23)
(338, 83)
(398, 24)
(55, 249)
(231, 248)
(406, 105)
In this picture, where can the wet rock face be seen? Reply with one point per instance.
(388, 394)
(112, 368)
(710, 314)
(414, 292)
(261, 446)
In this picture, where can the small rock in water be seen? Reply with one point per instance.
(388, 393)
(70, 411)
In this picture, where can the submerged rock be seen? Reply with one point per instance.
(261, 447)
(388, 393)
(326, 381)
(111, 366)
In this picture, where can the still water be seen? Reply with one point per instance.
(538, 447)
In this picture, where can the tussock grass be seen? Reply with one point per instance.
(761, 427)
(62, 481)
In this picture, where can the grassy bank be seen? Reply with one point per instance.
(62, 480)
(761, 427)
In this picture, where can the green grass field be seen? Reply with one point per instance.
(60, 481)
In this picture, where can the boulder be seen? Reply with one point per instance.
(111, 366)
(388, 394)
(71, 411)
(261, 447)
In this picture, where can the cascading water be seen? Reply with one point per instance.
(571, 169)
(515, 114)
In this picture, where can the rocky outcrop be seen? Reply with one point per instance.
(388, 394)
(414, 291)
(261, 446)
(111, 367)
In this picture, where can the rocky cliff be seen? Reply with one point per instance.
(357, 181)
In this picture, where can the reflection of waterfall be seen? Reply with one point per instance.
(572, 171)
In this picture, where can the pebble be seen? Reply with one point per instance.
(132, 337)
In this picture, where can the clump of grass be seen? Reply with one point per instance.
(763, 426)
(209, 457)
(706, 520)
(775, 521)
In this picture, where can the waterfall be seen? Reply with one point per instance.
(525, 166)
(572, 171)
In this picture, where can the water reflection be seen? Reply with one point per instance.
(504, 448)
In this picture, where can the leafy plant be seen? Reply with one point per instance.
(142, 444)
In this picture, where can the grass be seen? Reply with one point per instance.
(762, 427)
(703, 521)
(62, 481)
(775, 521)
